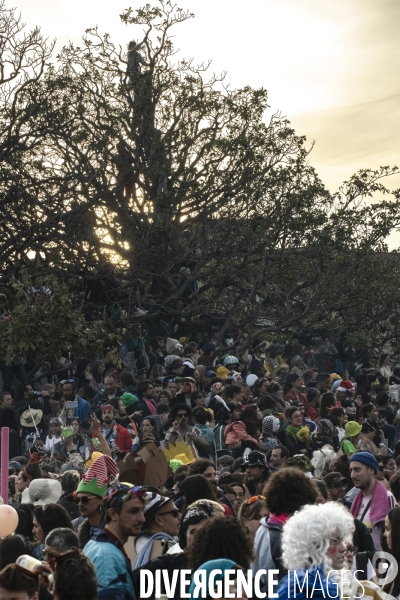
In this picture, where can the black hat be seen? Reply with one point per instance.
(255, 459)
(334, 479)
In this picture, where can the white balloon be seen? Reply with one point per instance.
(251, 379)
(8, 520)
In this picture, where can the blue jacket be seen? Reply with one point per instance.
(83, 410)
(316, 579)
(113, 569)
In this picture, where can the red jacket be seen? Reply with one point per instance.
(291, 397)
(124, 440)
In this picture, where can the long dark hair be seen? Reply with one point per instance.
(327, 401)
(51, 516)
(197, 487)
(394, 518)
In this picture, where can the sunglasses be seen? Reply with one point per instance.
(184, 416)
(83, 499)
(175, 513)
(255, 499)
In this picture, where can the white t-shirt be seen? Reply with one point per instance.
(50, 442)
(366, 519)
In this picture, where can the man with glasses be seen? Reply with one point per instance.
(337, 486)
(59, 541)
(89, 497)
(90, 507)
(161, 525)
(180, 414)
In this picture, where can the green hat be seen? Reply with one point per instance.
(301, 461)
(351, 429)
(101, 472)
(128, 399)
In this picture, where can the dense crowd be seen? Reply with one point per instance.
(288, 458)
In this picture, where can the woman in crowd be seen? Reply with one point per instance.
(384, 365)
(329, 527)
(275, 390)
(98, 370)
(233, 393)
(352, 435)
(84, 374)
(157, 372)
(338, 417)
(45, 519)
(370, 430)
(251, 512)
(326, 433)
(392, 535)
(196, 487)
(148, 433)
(297, 365)
(297, 437)
(328, 402)
(80, 440)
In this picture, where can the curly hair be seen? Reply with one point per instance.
(221, 538)
(288, 490)
(321, 522)
(341, 465)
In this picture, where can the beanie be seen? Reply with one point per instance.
(366, 459)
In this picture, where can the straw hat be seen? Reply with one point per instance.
(26, 419)
(280, 369)
(41, 492)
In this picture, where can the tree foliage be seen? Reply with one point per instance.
(209, 208)
(45, 328)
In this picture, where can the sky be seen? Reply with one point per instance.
(331, 67)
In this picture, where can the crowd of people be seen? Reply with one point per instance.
(294, 465)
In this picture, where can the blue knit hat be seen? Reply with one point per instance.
(366, 459)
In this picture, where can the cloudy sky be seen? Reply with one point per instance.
(331, 67)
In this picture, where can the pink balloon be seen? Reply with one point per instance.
(8, 520)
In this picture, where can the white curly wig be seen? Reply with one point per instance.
(306, 535)
(322, 459)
